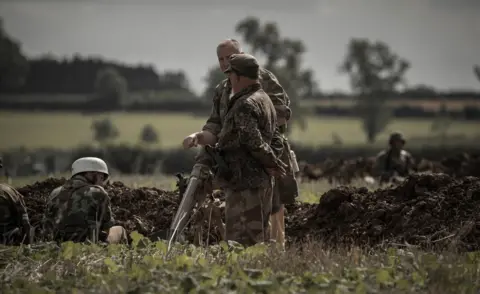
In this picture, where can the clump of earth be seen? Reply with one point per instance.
(427, 210)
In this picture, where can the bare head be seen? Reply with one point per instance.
(243, 71)
(225, 49)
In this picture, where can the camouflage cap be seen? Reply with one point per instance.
(396, 136)
(243, 64)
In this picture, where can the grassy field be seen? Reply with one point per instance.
(432, 104)
(147, 267)
(66, 130)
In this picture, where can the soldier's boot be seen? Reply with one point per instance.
(116, 235)
(221, 230)
(277, 231)
(220, 226)
(198, 235)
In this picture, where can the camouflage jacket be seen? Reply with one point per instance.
(388, 162)
(270, 85)
(222, 96)
(78, 207)
(13, 212)
(245, 138)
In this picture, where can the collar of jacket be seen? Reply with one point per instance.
(250, 89)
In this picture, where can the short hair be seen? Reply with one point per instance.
(230, 42)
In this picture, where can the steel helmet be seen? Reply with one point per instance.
(396, 136)
(89, 164)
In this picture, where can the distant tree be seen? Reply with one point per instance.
(212, 79)
(104, 131)
(375, 74)
(149, 135)
(476, 71)
(111, 87)
(422, 91)
(13, 64)
(283, 57)
(174, 80)
(77, 75)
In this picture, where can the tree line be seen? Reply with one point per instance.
(78, 75)
(49, 74)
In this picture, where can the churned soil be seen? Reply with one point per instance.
(146, 210)
(427, 210)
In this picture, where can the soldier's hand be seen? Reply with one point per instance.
(279, 171)
(190, 141)
(276, 172)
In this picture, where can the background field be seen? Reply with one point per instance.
(431, 104)
(68, 130)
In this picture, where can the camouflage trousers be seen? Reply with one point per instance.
(247, 215)
(277, 218)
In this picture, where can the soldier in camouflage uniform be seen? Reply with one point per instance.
(285, 188)
(14, 222)
(80, 209)
(395, 163)
(244, 141)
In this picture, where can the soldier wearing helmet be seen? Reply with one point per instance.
(14, 222)
(395, 162)
(79, 210)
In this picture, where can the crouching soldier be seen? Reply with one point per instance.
(14, 223)
(395, 163)
(80, 209)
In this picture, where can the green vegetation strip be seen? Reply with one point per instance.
(148, 268)
(55, 130)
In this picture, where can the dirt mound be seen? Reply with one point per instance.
(144, 209)
(427, 210)
(343, 171)
(462, 164)
(147, 210)
(36, 195)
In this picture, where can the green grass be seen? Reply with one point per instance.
(149, 268)
(68, 130)
(307, 268)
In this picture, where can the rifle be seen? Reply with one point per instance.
(219, 166)
(188, 201)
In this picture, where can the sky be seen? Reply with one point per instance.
(441, 38)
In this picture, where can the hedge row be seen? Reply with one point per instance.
(199, 107)
(137, 160)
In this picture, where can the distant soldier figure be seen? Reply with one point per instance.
(395, 163)
(244, 144)
(14, 222)
(80, 209)
(286, 189)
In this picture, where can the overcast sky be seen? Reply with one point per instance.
(440, 37)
